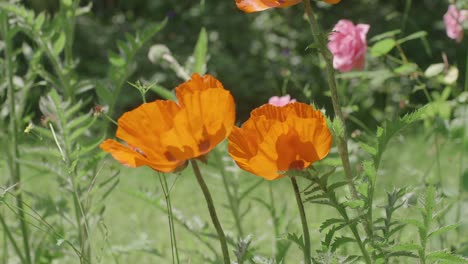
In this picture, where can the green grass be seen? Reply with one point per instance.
(134, 227)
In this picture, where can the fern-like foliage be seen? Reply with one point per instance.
(72, 155)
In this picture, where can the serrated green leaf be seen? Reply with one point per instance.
(72, 124)
(296, 239)
(443, 229)
(81, 130)
(337, 185)
(339, 241)
(382, 47)
(200, 53)
(370, 171)
(369, 149)
(446, 257)
(363, 189)
(330, 222)
(406, 247)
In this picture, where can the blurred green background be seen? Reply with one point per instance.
(260, 55)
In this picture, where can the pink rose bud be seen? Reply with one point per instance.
(348, 45)
(281, 101)
(454, 19)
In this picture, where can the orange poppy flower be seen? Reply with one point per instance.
(277, 139)
(164, 134)
(251, 6)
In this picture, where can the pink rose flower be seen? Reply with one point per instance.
(348, 45)
(454, 19)
(281, 101)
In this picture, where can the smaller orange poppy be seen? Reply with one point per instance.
(277, 139)
(164, 134)
(250, 6)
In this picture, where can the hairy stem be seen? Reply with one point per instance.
(321, 41)
(13, 136)
(305, 228)
(211, 208)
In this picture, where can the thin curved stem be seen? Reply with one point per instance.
(211, 208)
(305, 228)
(170, 218)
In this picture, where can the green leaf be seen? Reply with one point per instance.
(104, 94)
(296, 239)
(414, 222)
(446, 257)
(339, 241)
(39, 21)
(355, 204)
(363, 189)
(416, 35)
(443, 230)
(382, 47)
(116, 60)
(59, 44)
(200, 53)
(337, 185)
(330, 222)
(370, 171)
(429, 204)
(406, 69)
(369, 149)
(406, 247)
(385, 35)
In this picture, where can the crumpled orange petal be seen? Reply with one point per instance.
(277, 139)
(164, 134)
(250, 6)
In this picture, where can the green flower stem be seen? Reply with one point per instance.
(170, 218)
(211, 208)
(321, 41)
(13, 136)
(305, 228)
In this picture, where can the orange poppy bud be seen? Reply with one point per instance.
(277, 139)
(164, 134)
(250, 6)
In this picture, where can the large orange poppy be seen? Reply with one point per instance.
(164, 134)
(250, 6)
(277, 139)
